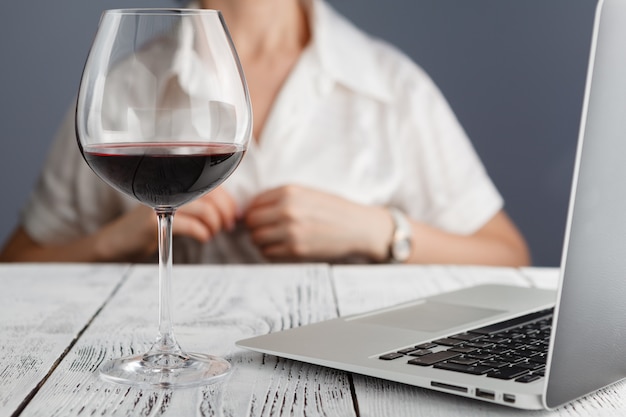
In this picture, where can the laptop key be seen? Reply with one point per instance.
(527, 353)
(420, 352)
(466, 369)
(540, 358)
(426, 346)
(390, 356)
(495, 364)
(496, 339)
(508, 372)
(531, 366)
(479, 345)
(528, 378)
(496, 351)
(434, 358)
(466, 336)
(448, 342)
(463, 361)
(508, 357)
(481, 356)
(463, 349)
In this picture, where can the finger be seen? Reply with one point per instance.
(205, 212)
(270, 206)
(222, 204)
(269, 235)
(261, 216)
(226, 208)
(273, 196)
(209, 215)
(191, 226)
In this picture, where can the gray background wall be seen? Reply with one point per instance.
(513, 71)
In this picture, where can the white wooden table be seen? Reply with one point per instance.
(58, 323)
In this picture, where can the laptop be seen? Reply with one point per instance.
(520, 347)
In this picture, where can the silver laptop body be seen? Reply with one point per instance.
(591, 297)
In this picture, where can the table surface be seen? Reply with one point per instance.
(59, 322)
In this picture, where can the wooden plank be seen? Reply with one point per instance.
(213, 307)
(44, 308)
(361, 289)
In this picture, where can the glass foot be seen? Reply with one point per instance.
(165, 370)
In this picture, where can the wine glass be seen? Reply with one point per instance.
(163, 115)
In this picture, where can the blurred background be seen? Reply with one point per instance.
(512, 70)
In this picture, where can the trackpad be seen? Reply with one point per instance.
(428, 316)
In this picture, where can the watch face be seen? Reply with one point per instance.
(401, 249)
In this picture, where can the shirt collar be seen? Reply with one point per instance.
(345, 52)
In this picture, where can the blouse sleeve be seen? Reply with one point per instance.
(446, 184)
(69, 200)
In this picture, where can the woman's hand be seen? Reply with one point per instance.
(207, 216)
(134, 236)
(295, 223)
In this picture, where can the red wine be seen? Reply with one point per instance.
(163, 175)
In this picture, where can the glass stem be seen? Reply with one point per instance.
(166, 342)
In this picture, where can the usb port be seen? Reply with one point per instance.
(509, 398)
(488, 395)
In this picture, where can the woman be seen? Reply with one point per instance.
(355, 157)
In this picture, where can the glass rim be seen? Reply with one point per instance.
(160, 10)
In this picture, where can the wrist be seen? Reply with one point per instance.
(100, 248)
(375, 227)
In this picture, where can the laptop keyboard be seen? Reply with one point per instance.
(515, 349)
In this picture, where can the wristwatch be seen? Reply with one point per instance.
(401, 243)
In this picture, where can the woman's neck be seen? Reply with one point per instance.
(264, 27)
